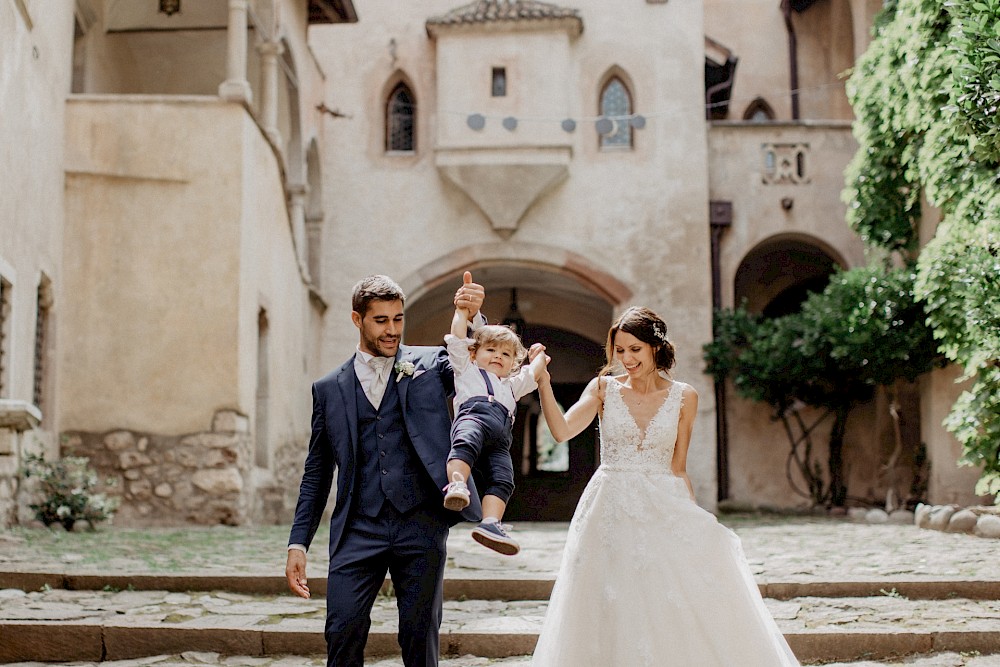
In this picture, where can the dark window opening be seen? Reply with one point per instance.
(401, 117)
(42, 341)
(5, 300)
(499, 88)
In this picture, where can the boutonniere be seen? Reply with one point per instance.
(403, 368)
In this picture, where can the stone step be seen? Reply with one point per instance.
(189, 658)
(65, 625)
(486, 588)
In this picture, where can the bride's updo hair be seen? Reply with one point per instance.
(648, 327)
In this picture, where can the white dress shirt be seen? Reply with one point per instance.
(469, 381)
(366, 374)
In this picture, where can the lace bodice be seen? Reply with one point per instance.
(623, 444)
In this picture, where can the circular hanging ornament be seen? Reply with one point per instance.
(476, 121)
(510, 123)
(638, 122)
(569, 125)
(604, 125)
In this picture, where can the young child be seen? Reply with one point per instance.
(486, 395)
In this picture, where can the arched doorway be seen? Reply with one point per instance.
(570, 319)
(776, 276)
(773, 279)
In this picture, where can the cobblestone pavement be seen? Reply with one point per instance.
(779, 549)
(286, 613)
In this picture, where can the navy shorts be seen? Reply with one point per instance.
(481, 437)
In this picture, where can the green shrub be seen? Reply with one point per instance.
(66, 488)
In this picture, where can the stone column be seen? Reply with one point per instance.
(269, 53)
(236, 87)
(16, 417)
(297, 215)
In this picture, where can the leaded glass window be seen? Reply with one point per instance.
(401, 120)
(616, 105)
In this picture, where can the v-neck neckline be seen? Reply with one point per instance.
(643, 432)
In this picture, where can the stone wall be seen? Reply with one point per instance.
(200, 478)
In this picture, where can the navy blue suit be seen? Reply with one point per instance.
(390, 466)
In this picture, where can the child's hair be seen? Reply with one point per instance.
(498, 334)
(648, 327)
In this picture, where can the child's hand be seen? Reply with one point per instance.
(539, 362)
(534, 351)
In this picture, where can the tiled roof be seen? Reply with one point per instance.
(505, 11)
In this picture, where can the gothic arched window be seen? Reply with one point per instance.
(758, 111)
(616, 105)
(401, 120)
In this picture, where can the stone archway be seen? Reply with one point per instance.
(563, 309)
(772, 279)
(775, 277)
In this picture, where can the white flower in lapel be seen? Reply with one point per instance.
(403, 368)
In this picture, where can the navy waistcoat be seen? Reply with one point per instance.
(389, 469)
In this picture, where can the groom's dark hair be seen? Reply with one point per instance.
(375, 288)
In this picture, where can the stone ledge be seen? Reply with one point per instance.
(486, 588)
(19, 415)
(61, 641)
(129, 642)
(838, 646)
(49, 642)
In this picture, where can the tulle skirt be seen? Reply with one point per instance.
(649, 579)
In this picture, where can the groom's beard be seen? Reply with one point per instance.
(385, 346)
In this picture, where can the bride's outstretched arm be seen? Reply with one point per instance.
(577, 418)
(689, 409)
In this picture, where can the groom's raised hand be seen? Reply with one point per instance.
(470, 295)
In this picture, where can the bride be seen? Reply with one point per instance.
(648, 578)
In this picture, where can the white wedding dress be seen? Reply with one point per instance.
(648, 578)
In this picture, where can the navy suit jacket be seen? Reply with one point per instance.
(423, 397)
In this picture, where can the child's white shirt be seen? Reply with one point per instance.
(469, 381)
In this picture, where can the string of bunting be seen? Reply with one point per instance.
(605, 125)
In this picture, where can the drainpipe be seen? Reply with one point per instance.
(720, 218)
(793, 57)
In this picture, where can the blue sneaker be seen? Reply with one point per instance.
(494, 536)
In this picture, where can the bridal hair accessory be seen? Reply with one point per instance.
(403, 368)
(659, 333)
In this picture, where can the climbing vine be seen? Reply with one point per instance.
(926, 96)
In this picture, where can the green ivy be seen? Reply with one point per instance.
(926, 97)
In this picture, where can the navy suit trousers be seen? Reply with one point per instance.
(411, 547)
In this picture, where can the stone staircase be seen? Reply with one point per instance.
(62, 617)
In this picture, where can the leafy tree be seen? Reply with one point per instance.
(863, 331)
(926, 96)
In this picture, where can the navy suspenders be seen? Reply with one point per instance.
(489, 385)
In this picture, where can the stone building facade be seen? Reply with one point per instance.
(207, 184)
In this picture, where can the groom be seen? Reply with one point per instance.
(380, 423)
